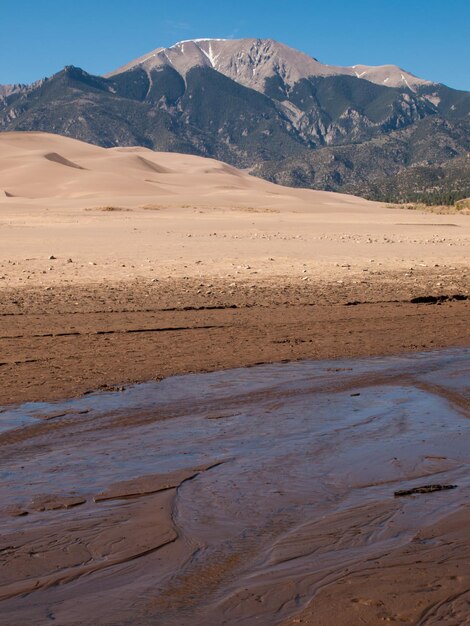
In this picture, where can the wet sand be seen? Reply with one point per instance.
(72, 340)
(165, 503)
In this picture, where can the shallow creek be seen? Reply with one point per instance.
(232, 497)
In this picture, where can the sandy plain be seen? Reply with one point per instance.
(123, 265)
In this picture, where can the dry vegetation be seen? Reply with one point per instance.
(461, 207)
(107, 209)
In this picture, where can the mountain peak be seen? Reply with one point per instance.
(251, 61)
(178, 43)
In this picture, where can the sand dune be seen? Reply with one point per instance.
(42, 165)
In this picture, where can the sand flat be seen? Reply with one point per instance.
(133, 213)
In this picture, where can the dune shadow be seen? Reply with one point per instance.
(58, 158)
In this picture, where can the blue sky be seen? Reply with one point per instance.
(430, 38)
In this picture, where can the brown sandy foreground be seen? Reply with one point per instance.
(123, 265)
(71, 341)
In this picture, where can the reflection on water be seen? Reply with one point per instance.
(309, 456)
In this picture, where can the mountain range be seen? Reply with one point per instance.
(379, 131)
